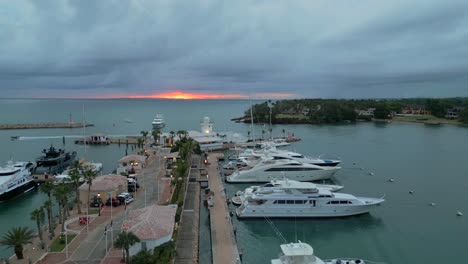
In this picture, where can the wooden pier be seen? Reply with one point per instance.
(43, 125)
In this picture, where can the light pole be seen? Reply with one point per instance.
(99, 201)
(105, 233)
(66, 244)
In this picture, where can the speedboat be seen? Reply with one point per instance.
(15, 179)
(302, 253)
(240, 196)
(292, 202)
(158, 122)
(268, 170)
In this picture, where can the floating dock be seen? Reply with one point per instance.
(43, 125)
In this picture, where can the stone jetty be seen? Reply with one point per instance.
(43, 125)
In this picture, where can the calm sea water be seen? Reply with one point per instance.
(405, 229)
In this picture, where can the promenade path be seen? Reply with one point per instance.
(90, 244)
(224, 245)
(187, 239)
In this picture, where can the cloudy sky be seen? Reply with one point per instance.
(310, 48)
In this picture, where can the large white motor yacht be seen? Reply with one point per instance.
(240, 196)
(302, 253)
(158, 122)
(15, 179)
(268, 170)
(273, 153)
(291, 202)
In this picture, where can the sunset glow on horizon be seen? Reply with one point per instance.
(179, 95)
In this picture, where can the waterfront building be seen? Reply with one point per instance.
(210, 140)
(131, 163)
(104, 187)
(454, 112)
(153, 225)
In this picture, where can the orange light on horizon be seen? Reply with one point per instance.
(179, 95)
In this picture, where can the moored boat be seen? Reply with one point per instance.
(303, 253)
(294, 202)
(240, 196)
(54, 161)
(267, 170)
(15, 179)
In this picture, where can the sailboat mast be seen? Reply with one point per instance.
(84, 130)
(251, 120)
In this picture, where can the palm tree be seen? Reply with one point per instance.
(89, 175)
(37, 216)
(124, 241)
(61, 195)
(144, 134)
(47, 188)
(16, 237)
(155, 134)
(75, 175)
(48, 206)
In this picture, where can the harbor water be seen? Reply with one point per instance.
(429, 161)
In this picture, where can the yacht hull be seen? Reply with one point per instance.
(17, 191)
(316, 175)
(317, 212)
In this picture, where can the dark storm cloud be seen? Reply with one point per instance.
(311, 48)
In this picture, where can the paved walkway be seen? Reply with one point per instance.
(187, 239)
(90, 244)
(224, 245)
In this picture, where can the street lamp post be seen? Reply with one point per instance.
(66, 244)
(99, 201)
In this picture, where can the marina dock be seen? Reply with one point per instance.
(223, 241)
(43, 125)
(121, 140)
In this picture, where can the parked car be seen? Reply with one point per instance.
(132, 185)
(96, 202)
(115, 202)
(125, 198)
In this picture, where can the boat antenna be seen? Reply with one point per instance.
(251, 120)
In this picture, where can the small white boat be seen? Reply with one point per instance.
(302, 253)
(240, 196)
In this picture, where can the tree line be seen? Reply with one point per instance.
(318, 111)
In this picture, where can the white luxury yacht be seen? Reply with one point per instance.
(302, 253)
(158, 122)
(65, 176)
(290, 202)
(240, 196)
(15, 179)
(273, 153)
(268, 170)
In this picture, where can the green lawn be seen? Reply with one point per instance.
(59, 243)
(425, 118)
(291, 116)
(93, 211)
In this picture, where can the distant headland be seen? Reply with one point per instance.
(430, 111)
